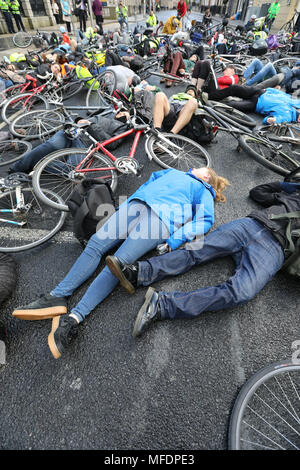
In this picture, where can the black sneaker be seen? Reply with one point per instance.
(148, 313)
(45, 307)
(126, 273)
(63, 330)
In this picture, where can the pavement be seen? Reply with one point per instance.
(171, 389)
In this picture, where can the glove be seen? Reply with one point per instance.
(290, 187)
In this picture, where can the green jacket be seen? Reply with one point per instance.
(274, 10)
(152, 21)
(15, 7)
(4, 5)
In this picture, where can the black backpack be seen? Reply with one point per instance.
(201, 129)
(91, 204)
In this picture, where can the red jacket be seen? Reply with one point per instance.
(181, 9)
(225, 81)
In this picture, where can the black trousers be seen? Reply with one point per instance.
(18, 19)
(249, 94)
(99, 22)
(8, 21)
(82, 20)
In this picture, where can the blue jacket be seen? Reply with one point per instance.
(276, 103)
(182, 201)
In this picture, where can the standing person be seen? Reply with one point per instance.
(172, 206)
(15, 9)
(4, 7)
(55, 10)
(181, 11)
(97, 10)
(272, 13)
(151, 21)
(122, 13)
(66, 11)
(82, 8)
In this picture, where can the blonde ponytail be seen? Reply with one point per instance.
(219, 184)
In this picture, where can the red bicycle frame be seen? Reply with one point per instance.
(101, 146)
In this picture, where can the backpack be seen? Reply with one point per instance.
(91, 204)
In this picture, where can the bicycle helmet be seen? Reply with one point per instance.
(259, 47)
(225, 22)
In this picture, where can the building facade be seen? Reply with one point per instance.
(37, 14)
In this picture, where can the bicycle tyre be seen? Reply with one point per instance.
(107, 82)
(44, 124)
(18, 102)
(9, 151)
(62, 180)
(228, 113)
(178, 159)
(22, 39)
(267, 156)
(9, 92)
(48, 214)
(248, 391)
(71, 89)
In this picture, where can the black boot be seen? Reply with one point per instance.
(149, 312)
(64, 329)
(45, 307)
(126, 273)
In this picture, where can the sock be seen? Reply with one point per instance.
(75, 317)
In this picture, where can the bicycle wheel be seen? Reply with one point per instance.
(21, 104)
(9, 92)
(285, 62)
(266, 413)
(228, 113)
(37, 124)
(57, 173)
(268, 155)
(29, 226)
(72, 89)
(107, 83)
(12, 150)
(22, 39)
(176, 151)
(280, 136)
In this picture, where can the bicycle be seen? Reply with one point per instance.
(64, 169)
(290, 25)
(266, 413)
(12, 150)
(24, 39)
(25, 222)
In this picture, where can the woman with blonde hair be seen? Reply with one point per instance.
(172, 207)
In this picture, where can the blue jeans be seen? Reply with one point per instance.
(261, 72)
(138, 227)
(257, 255)
(56, 142)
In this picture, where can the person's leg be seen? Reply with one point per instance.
(271, 82)
(185, 115)
(266, 71)
(16, 18)
(161, 109)
(21, 22)
(56, 142)
(261, 259)
(146, 232)
(255, 66)
(178, 63)
(238, 91)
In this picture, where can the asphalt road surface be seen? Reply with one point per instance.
(173, 388)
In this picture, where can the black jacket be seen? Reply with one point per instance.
(275, 202)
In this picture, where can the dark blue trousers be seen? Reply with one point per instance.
(257, 254)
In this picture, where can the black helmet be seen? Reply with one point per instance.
(259, 47)
(225, 22)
